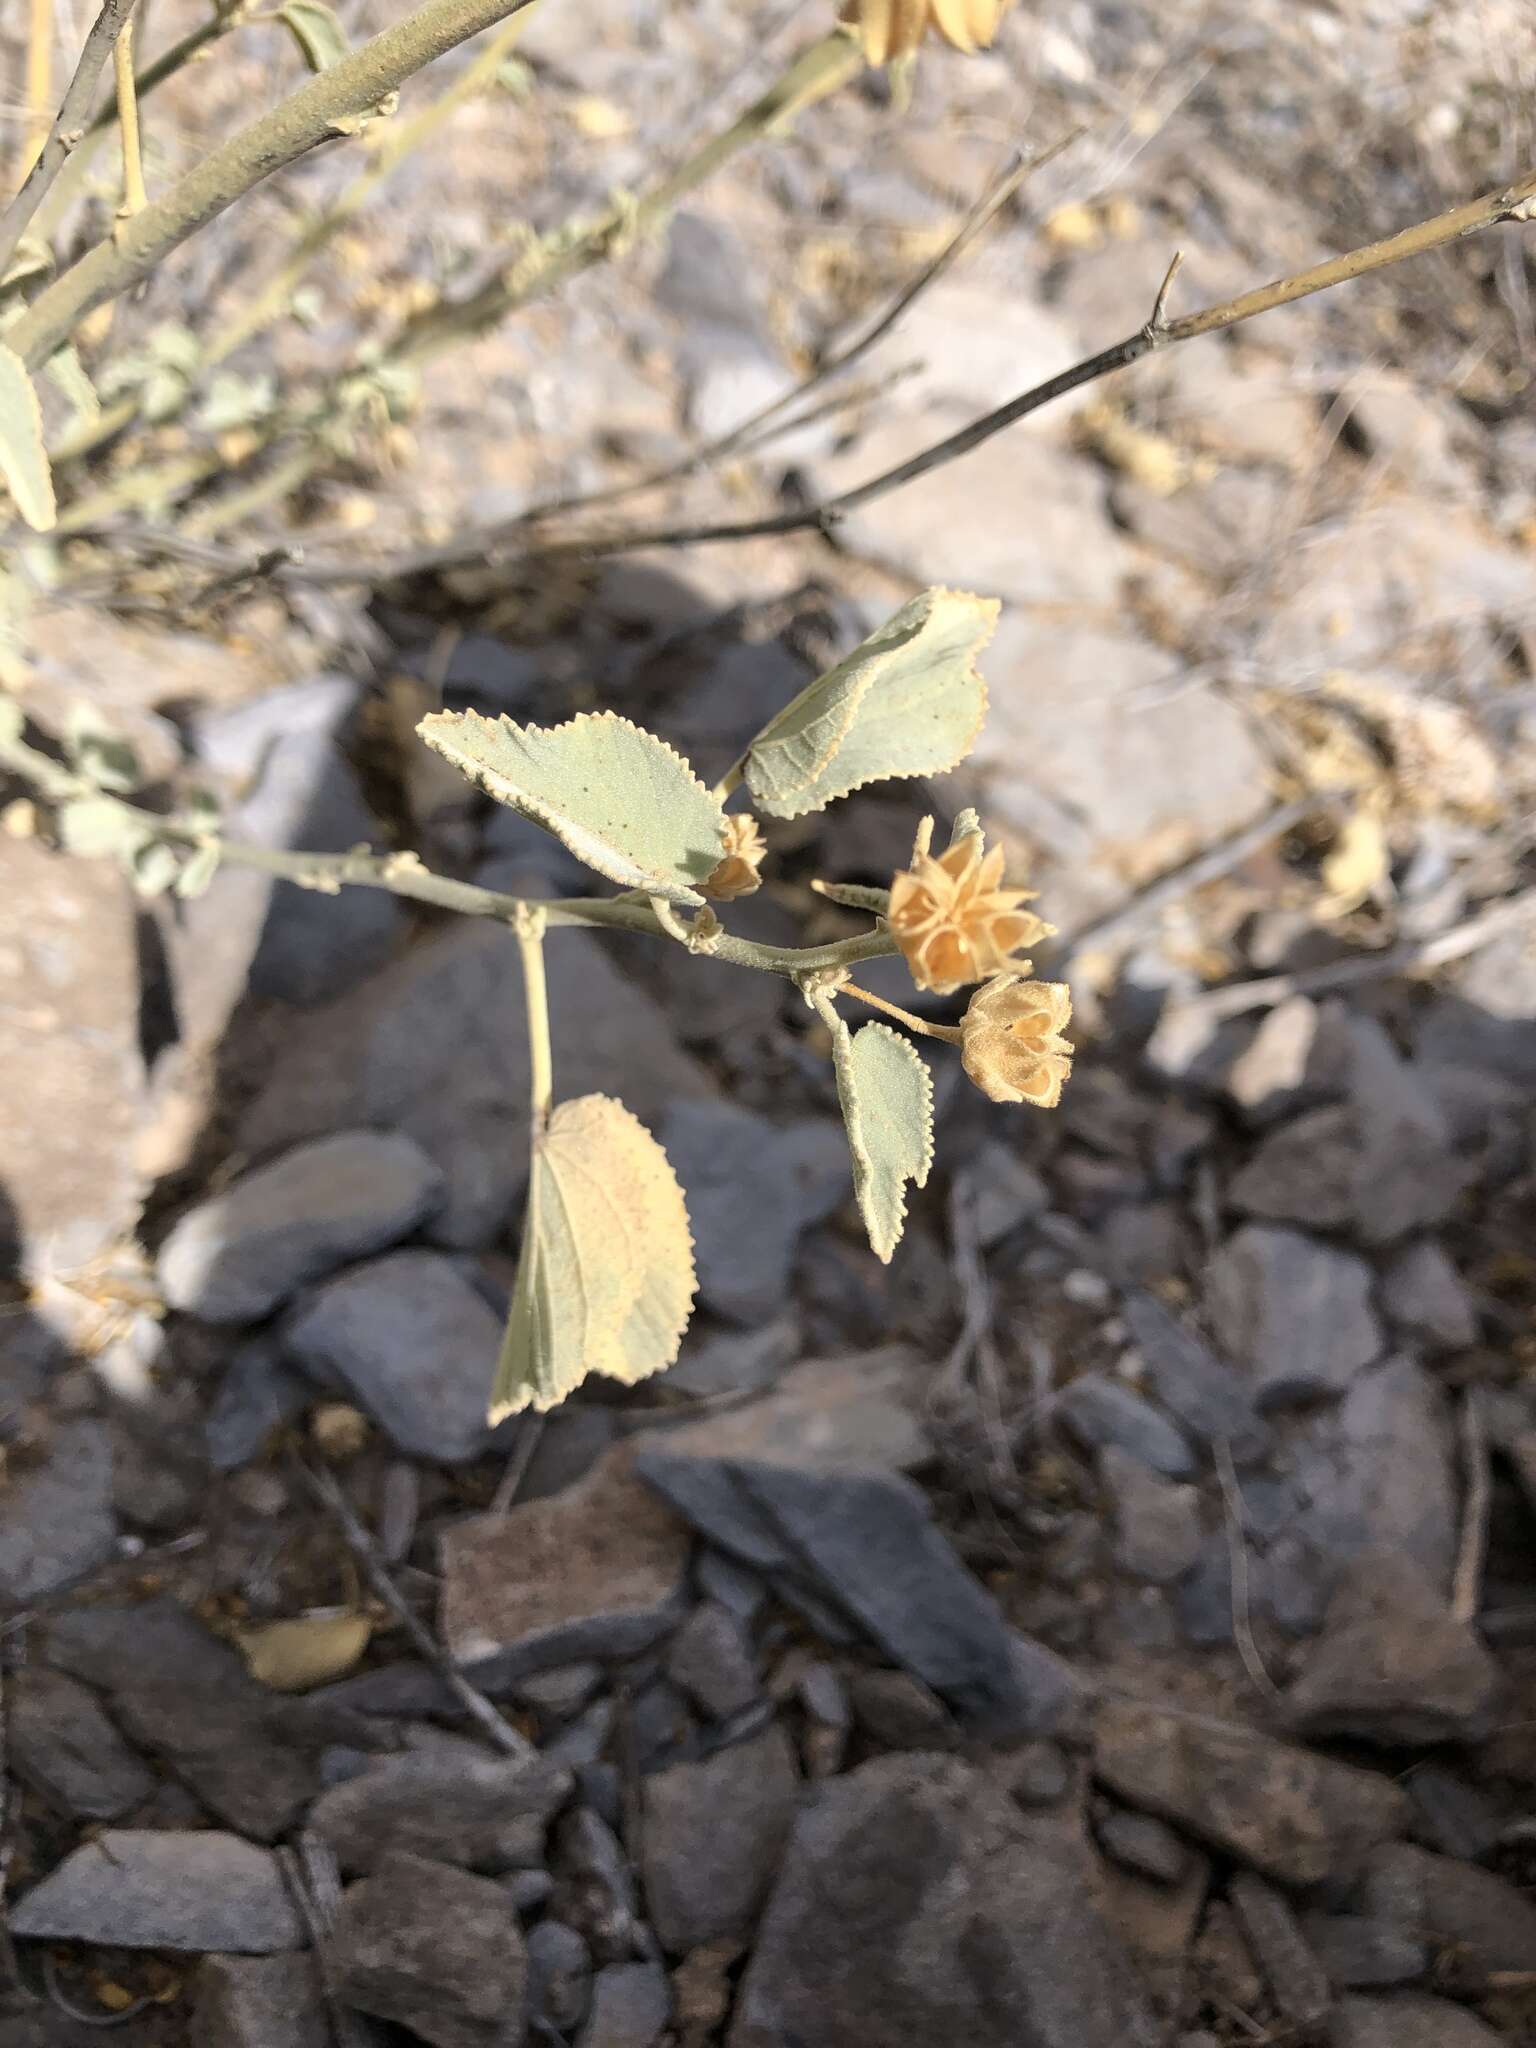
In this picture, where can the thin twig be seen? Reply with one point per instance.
(1417, 956)
(491, 1724)
(529, 1432)
(68, 128)
(60, 2003)
(314, 1884)
(1237, 1550)
(1512, 203)
(950, 1033)
(1468, 1584)
(1179, 882)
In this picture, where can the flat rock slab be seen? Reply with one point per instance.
(59, 1520)
(1478, 1925)
(436, 1046)
(239, 1256)
(713, 1835)
(479, 1812)
(917, 1904)
(1409, 2019)
(260, 2002)
(141, 1888)
(69, 1049)
(864, 1543)
(1393, 1665)
(435, 1950)
(753, 1187)
(1296, 1817)
(596, 1570)
(1100, 1412)
(864, 1412)
(411, 1341)
(63, 1744)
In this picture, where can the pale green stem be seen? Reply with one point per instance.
(529, 926)
(135, 198)
(327, 106)
(950, 1033)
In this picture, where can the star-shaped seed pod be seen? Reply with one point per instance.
(1011, 1044)
(954, 922)
(893, 28)
(737, 873)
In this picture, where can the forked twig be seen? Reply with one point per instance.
(1237, 1550)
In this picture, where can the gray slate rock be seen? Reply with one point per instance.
(258, 1394)
(1201, 1391)
(559, 1974)
(1478, 1925)
(410, 1340)
(143, 1888)
(916, 1905)
(900, 1712)
(713, 1835)
(864, 1541)
(260, 2002)
(715, 1362)
(595, 1889)
(1157, 1523)
(436, 1047)
(1141, 1844)
(237, 1257)
(1409, 2019)
(1294, 1313)
(1293, 1816)
(1361, 1955)
(1297, 1058)
(482, 1813)
(631, 2005)
(1297, 1981)
(1425, 1297)
(64, 1746)
(711, 1658)
(1099, 1411)
(59, 1520)
(1393, 1665)
(435, 1950)
(753, 1187)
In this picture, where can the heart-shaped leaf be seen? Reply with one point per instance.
(605, 1280)
(618, 797)
(886, 1094)
(907, 701)
(24, 464)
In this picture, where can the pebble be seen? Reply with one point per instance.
(1409, 2019)
(559, 1974)
(1361, 1954)
(59, 1521)
(137, 1888)
(1100, 1411)
(631, 2005)
(1425, 1297)
(1297, 1981)
(900, 1712)
(1478, 1925)
(409, 1339)
(1141, 1844)
(712, 1660)
(64, 1746)
(1157, 1523)
(240, 1255)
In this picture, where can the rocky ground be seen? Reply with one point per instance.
(1111, 1624)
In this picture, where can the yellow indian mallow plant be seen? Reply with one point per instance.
(605, 1279)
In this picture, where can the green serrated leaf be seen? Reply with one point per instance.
(100, 755)
(618, 797)
(886, 1094)
(605, 1279)
(908, 701)
(198, 872)
(24, 466)
(315, 28)
(100, 828)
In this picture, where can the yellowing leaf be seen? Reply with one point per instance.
(619, 798)
(24, 467)
(907, 701)
(886, 1094)
(310, 1650)
(605, 1279)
